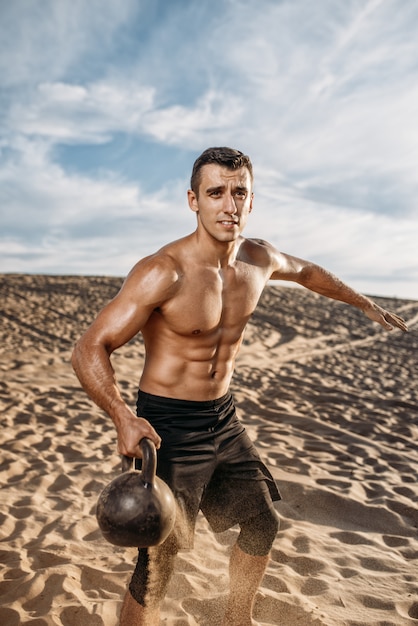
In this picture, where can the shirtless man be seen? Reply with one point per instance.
(191, 301)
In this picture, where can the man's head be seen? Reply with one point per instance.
(225, 157)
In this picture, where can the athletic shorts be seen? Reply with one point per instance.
(209, 462)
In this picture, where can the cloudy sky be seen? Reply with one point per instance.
(105, 104)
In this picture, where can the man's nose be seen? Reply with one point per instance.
(230, 206)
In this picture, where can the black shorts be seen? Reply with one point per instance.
(209, 462)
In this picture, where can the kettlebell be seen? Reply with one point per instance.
(137, 508)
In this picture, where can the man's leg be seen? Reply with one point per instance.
(248, 562)
(246, 573)
(134, 614)
(147, 589)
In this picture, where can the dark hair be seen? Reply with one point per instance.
(226, 157)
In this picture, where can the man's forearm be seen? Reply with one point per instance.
(95, 372)
(321, 281)
(92, 365)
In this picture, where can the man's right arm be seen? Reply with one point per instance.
(149, 284)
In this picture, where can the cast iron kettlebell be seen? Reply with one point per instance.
(137, 509)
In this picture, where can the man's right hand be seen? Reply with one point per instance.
(131, 431)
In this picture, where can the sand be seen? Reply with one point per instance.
(331, 401)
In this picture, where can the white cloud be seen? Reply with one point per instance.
(180, 125)
(69, 113)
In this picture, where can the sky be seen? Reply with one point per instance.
(105, 105)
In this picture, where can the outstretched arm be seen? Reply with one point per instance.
(321, 281)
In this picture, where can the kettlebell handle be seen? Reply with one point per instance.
(149, 461)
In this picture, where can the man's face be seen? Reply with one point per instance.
(224, 201)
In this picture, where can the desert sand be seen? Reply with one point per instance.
(331, 401)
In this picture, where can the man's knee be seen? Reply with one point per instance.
(258, 533)
(152, 573)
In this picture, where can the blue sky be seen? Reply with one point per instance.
(105, 104)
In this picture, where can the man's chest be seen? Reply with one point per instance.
(209, 301)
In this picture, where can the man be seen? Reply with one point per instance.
(191, 301)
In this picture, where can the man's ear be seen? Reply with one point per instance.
(251, 202)
(192, 199)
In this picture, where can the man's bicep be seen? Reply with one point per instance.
(117, 323)
(145, 288)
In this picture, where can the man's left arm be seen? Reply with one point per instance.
(316, 278)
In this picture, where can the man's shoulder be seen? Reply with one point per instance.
(258, 249)
(163, 267)
(257, 242)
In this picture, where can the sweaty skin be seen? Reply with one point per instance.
(191, 301)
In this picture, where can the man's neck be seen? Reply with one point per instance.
(218, 254)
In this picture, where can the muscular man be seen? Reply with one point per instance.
(191, 301)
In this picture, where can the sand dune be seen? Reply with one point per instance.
(332, 403)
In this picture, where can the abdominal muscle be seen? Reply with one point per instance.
(195, 368)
